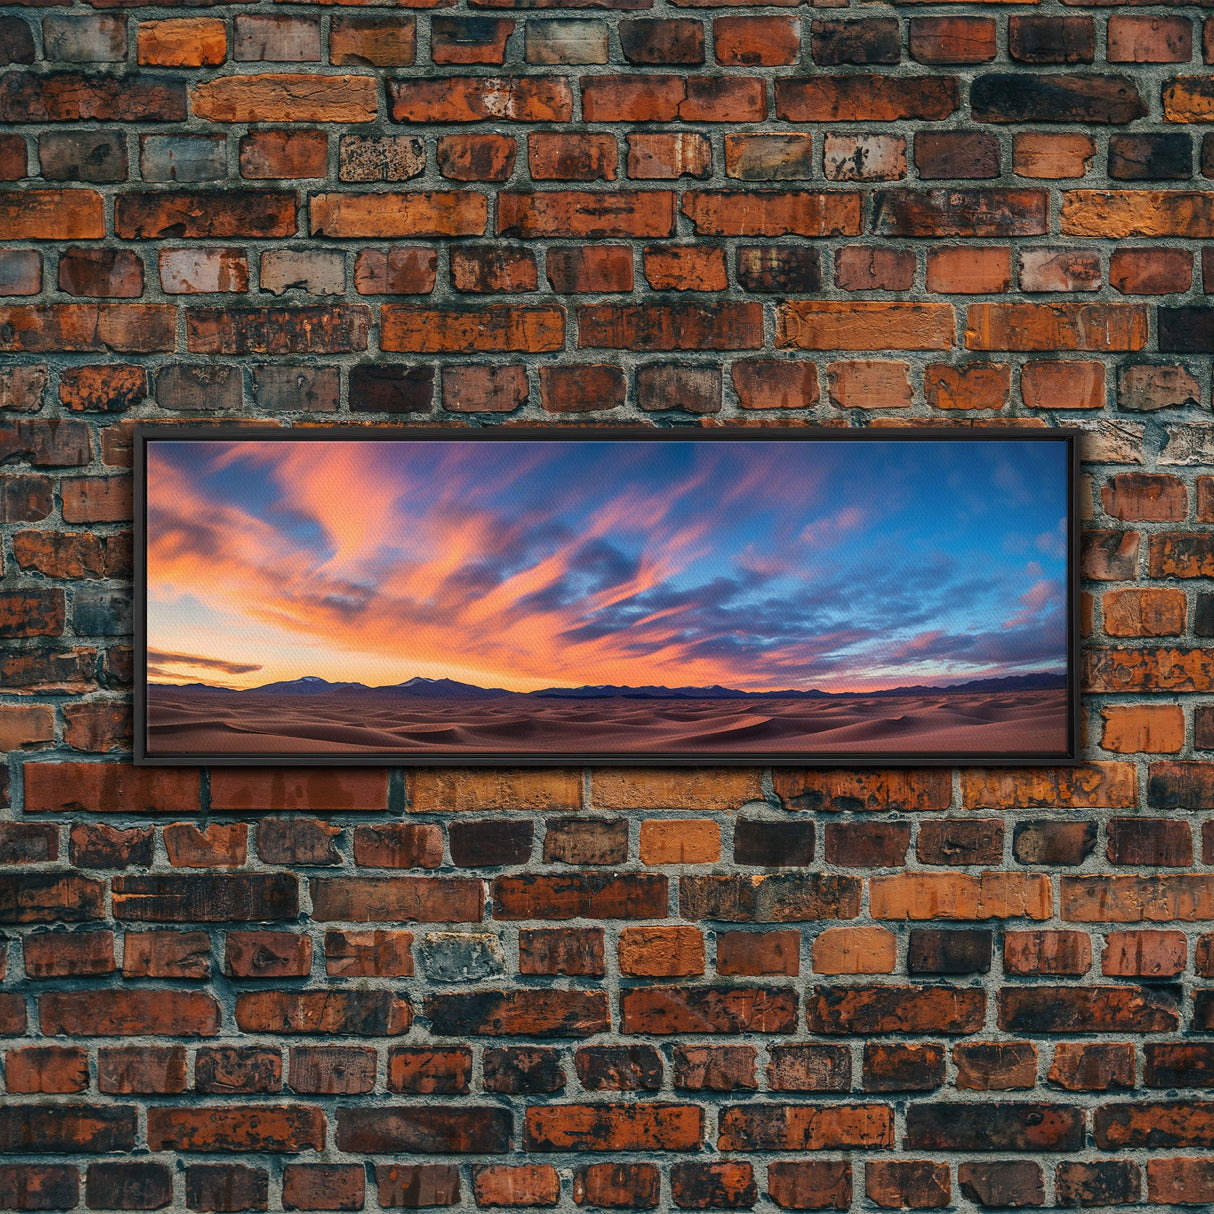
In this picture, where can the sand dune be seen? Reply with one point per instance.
(190, 721)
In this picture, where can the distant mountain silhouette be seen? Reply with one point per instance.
(449, 689)
(429, 688)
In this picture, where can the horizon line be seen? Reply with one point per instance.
(1059, 672)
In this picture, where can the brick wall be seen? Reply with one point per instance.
(344, 989)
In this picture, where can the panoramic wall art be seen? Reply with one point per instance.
(519, 596)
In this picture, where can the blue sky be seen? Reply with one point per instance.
(844, 565)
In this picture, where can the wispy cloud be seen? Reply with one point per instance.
(528, 564)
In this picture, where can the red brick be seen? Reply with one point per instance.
(725, 1185)
(219, 1128)
(399, 270)
(804, 1127)
(429, 1071)
(775, 385)
(516, 1013)
(685, 268)
(575, 951)
(869, 384)
(480, 98)
(227, 1069)
(810, 1185)
(238, 789)
(69, 954)
(502, 327)
(51, 215)
(809, 1068)
(49, 1069)
(332, 1070)
(109, 788)
(414, 1185)
(894, 1009)
(1179, 1181)
(864, 97)
(1043, 270)
(365, 954)
(1143, 728)
(125, 328)
(1133, 613)
(613, 1127)
(265, 954)
(874, 268)
(476, 157)
(317, 1186)
(101, 273)
(581, 388)
(972, 386)
(204, 214)
(864, 325)
(900, 1184)
(226, 1187)
(501, 1185)
(752, 954)
(126, 1013)
(379, 41)
(367, 1013)
(617, 1185)
(654, 98)
(952, 39)
(666, 156)
(677, 326)
(557, 156)
(656, 42)
(1136, 954)
(772, 213)
(965, 270)
(167, 954)
(152, 1070)
(1151, 271)
(756, 41)
(284, 97)
(284, 154)
(182, 42)
(469, 40)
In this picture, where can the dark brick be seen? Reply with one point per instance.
(1186, 330)
(1100, 1182)
(130, 1185)
(389, 1130)
(959, 951)
(1053, 842)
(226, 1187)
(391, 388)
(490, 843)
(1150, 157)
(773, 844)
(1052, 39)
(619, 1068)
(839, 42)
(519, 1070)
(1006, 1184)
(779, 269)
(903, 1068)
(1003, 1126)
(1005, 97)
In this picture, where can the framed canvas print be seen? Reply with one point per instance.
(522, 596)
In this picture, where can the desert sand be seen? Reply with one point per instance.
(186, 720)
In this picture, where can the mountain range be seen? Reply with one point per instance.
(449, 689)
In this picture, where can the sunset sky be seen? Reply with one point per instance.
(758, 565)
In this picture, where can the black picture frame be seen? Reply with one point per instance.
(145, 434)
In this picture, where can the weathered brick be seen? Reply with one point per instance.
(960, 212)
(75, 97)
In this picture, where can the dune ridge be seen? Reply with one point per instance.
(185, 720)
